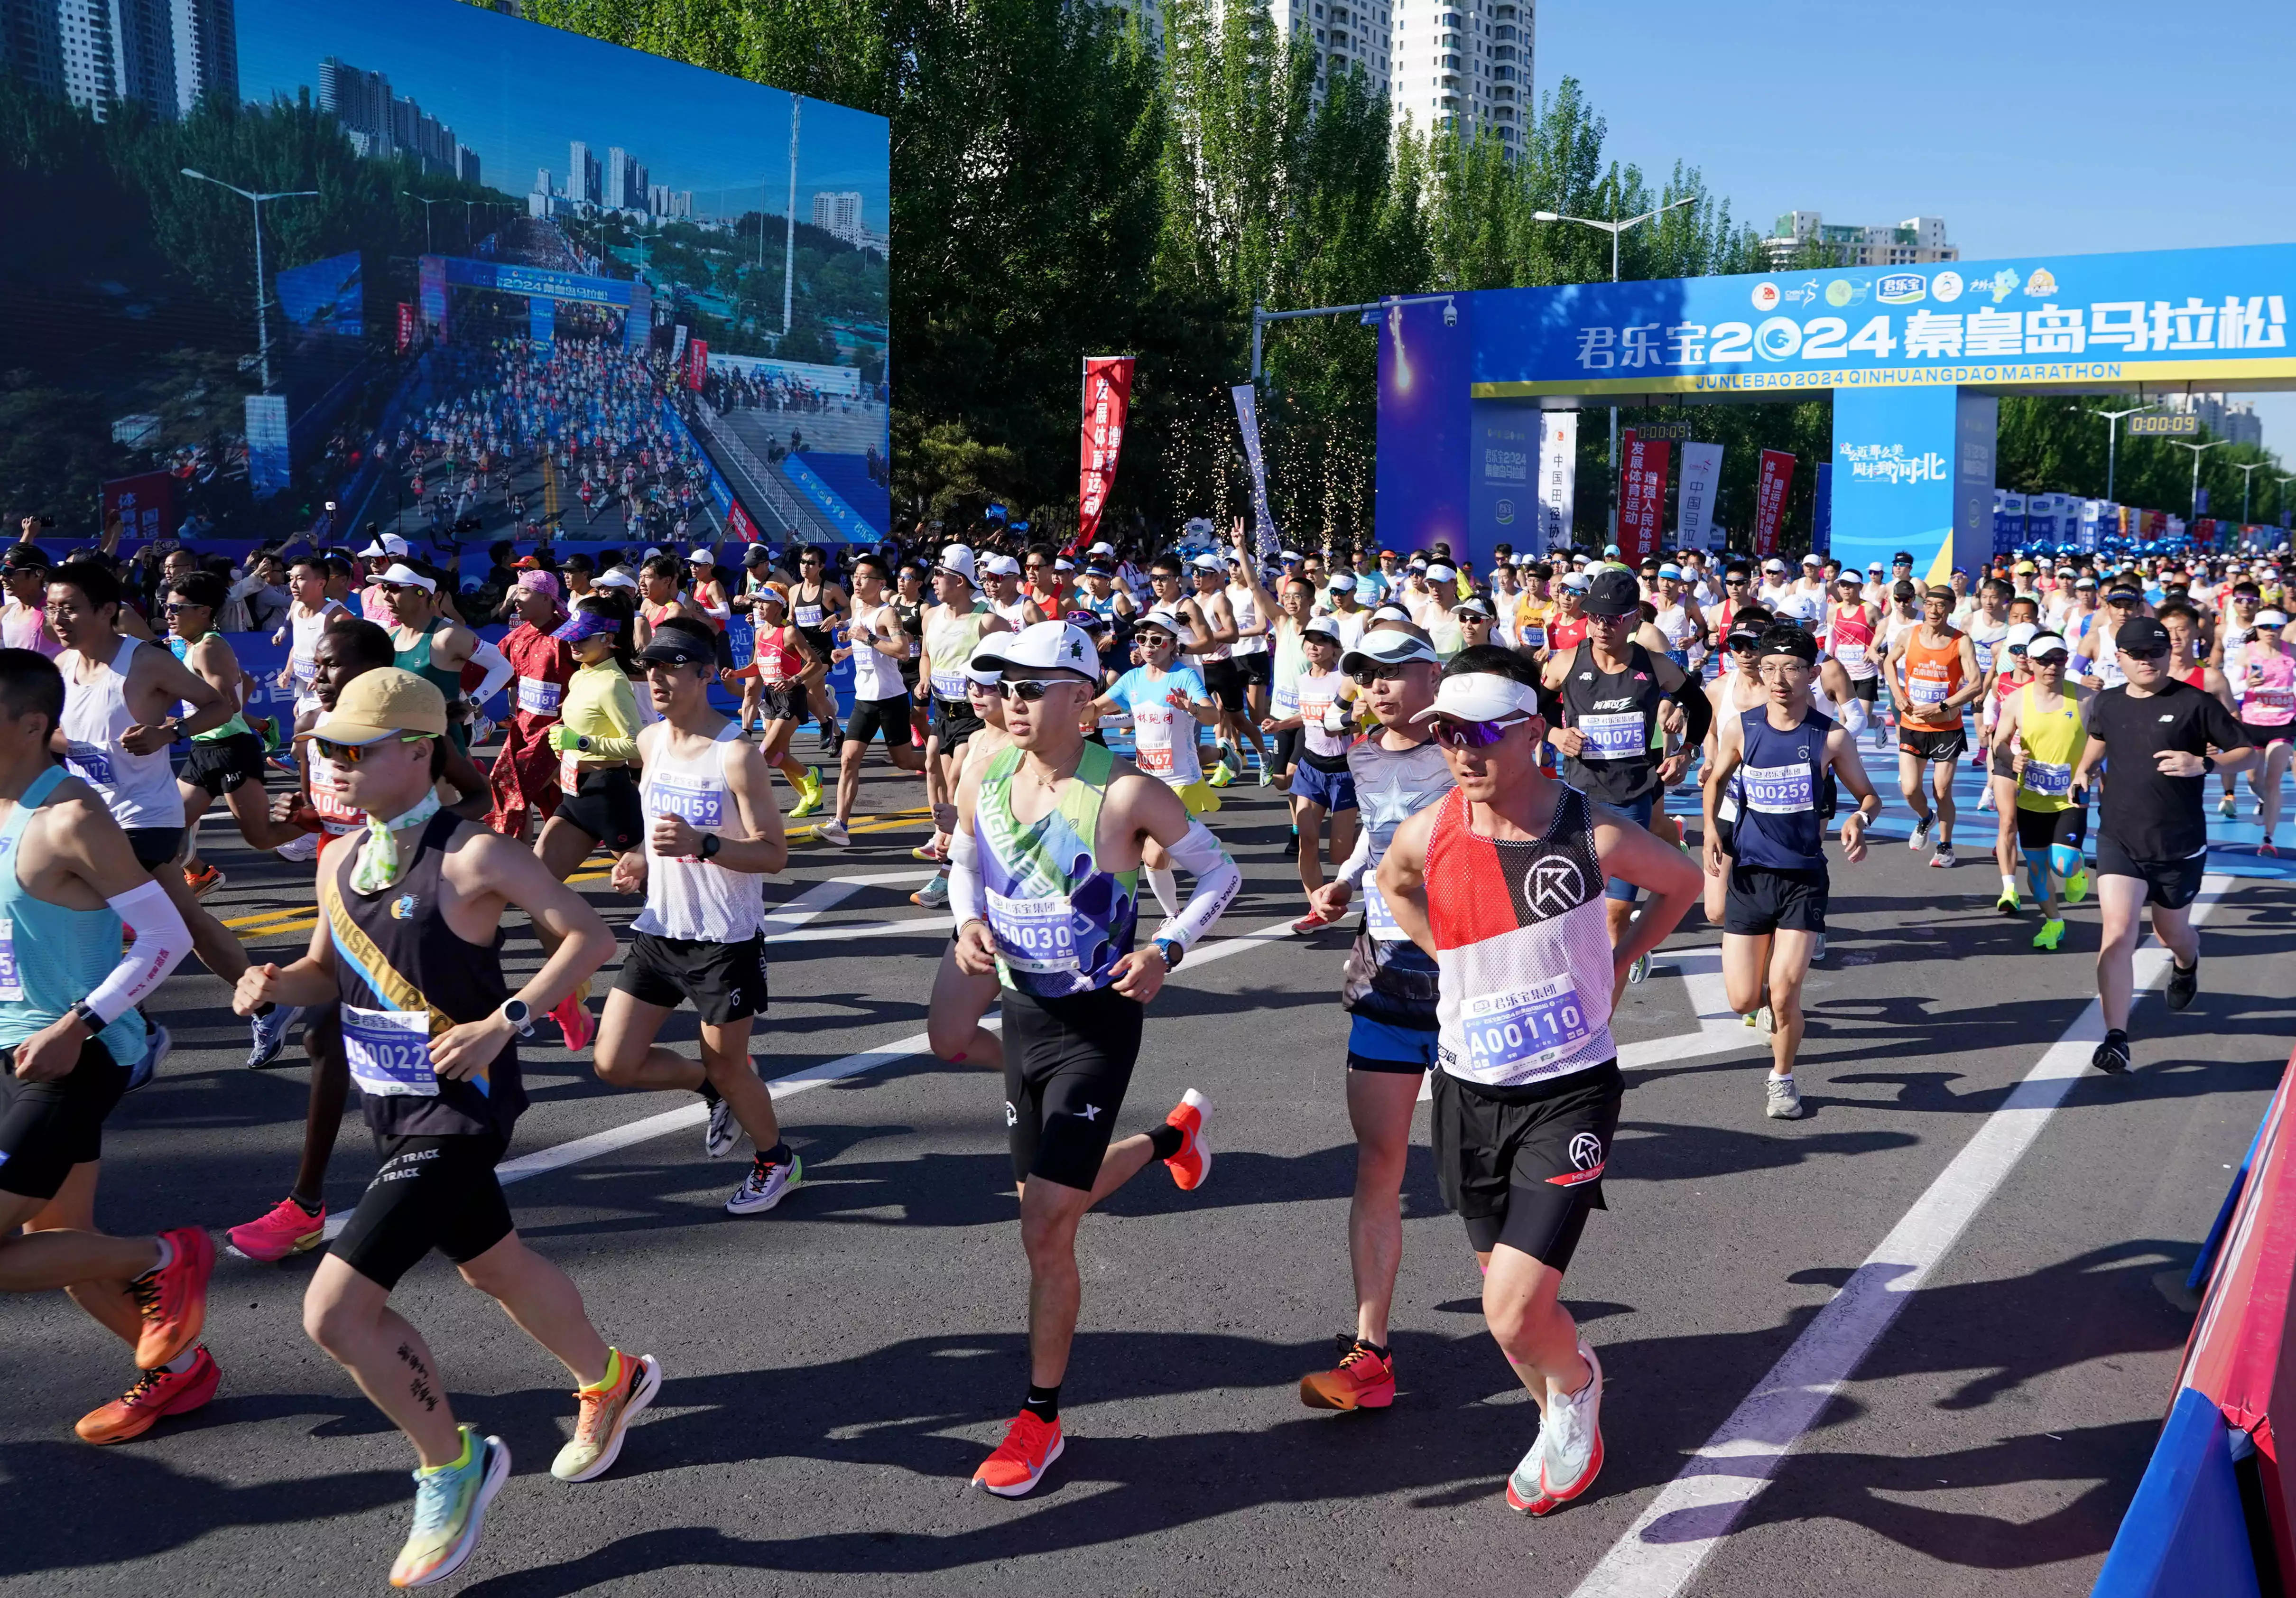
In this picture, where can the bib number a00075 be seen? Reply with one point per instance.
(388, 1051)
(1523, 1030)
(1038, 936)
(1616, 735)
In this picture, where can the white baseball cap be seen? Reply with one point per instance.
(1440, 573)
(1102, 548)
(1482, 696)
(1046, 646)
(2044, 646)
(1001, 566)
(703, 555)
(988, 674)
(1343, 583)
(389, 544)
(399, 575)
(957, 558)
(619, 578)
(1209, 563)
(1164, 619)
(1389, 646)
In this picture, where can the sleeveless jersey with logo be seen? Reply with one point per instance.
(1388, 977)
(2053, 739)
(1617, 714)
(1933, 675)
(1778, 787)
(1060, 923)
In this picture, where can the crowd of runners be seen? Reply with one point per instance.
(1487, 774)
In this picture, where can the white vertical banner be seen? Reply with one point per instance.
(1558, 477)
(1701, 473)
(1247, 419)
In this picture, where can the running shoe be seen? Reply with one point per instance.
(1313, 922)
(929, 851)
(767, 1183)
(1193, 1162)
(2051, 933)
(1944, 855)
(2267, 850)
(1817, 949)
(722, 1132)
(1221, 776)
(158, 1041)
(1985, 799)
(1639, 969)
(450, 1510)
(2076, 887)
(287, 1229)
(1573, 1436)
(933, 895)
(173, 1299)
(833, 832)
(1030, 1447)
(2258, 811)
(1267, 776)
(575, 1028)
(2111, 1055)
(809, 800)
(1781, 1098)
(1522, 1489)
(1364, 1379)
(203, 879)
(605, 1418)
(1766, 1019)
(1919, 841)
(2009, 903)
(2226, 806)
(155, 1394)
(2184, 982)
(267, 1034)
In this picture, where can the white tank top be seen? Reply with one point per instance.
(138, 789)
(303, 650)
(1014, 611)
(687, 896)
(875, 675)
(1246, 616)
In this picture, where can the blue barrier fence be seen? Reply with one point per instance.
(2185, 1535)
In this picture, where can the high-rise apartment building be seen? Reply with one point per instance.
(206, 51)
(162, 54)
(1341, 36)
(582, 178)
(2235, 422)
(1915, 242)
(380, 123)
(1464, 65)
(838, 214)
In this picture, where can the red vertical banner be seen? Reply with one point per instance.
(1770, 500)
(697, 363)
(406, 325)
(1107, 399)
(1642, 497)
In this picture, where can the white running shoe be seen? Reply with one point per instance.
(1919, 841)
(1573, 1436)
(1639, 969)
(832, 832)
(1782, 1099)
(1944, 855)
(1817, 949)
(722, 1131)
(1765, 1020)
(765, 1186)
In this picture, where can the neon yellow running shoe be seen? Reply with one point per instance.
(2076, 887)
(2048, 936)
(450, 1510)
(607, 1410)
(809, 801)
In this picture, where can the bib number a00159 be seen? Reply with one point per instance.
(1524, 1029)
(701, 804)
(1038, 936)
(388, 1051)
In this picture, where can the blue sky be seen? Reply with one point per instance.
(518, 94)
(2030, 126)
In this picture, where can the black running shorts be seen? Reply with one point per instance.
(607, 807)
(1939, 743)
(872, 717)
(1522, 1166)
(155, 847)
(1224, 681)
(2039, 828)
(2171, 884)
(1761, 901)
(1868, 689)
(954, 723)
(48, 1128)
(430, 1192)
(220, 765)
(727, 981)
(1068, 1062)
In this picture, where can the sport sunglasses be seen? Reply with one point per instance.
(351, 754)
(1453, 733)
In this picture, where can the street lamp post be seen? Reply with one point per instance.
(262, 321)
(2280, 482)
(2198, 450)
(1614, 227)
(2112, 437)
(2247, 469)
(426, 205)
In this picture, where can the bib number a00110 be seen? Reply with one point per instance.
(1523, 1030)
(388, 1051)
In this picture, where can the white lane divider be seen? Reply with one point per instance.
(1690, 1516)
(826, 895)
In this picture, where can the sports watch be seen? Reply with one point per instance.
(1172, 951)
(519, 1015)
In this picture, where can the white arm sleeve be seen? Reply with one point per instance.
(497, 669)
(161, 942)
(1352, 869)
(1217, 880)
(966, 900)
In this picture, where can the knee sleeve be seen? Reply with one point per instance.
(2065, 859)
(2036, 868)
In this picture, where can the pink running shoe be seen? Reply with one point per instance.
(574, 1023)
(289, 1229)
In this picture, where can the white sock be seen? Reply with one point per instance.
(182, 1362)
(1167, 888)
(167, 1258)
(2008, 882)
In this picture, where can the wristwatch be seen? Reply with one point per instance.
(582, 743)
(2207, 763)
(1172, 951)
(519, 1015)
(87, 1017)
(711, 844)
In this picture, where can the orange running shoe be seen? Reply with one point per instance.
(173, 1299)
(156, 1393)
(203, 879)
(287, 1229)
(1193, 1162)
(1021, 1460)
(1364, 1379)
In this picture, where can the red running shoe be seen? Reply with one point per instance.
(1193, 1162)
(1364, 1379)
(173, 1299)
(1021, 1460)
(155, 1394)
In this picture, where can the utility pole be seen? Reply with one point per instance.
(789, 234)
(2112, 437)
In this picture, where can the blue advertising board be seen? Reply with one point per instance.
(464, 273)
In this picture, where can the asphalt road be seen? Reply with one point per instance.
(837, 1368)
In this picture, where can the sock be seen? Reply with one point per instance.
(167, 1258)
(1378, 1348)
(709, 1094)
(2119, 1035)
(1166, 886)
(463, 1464)
(779, 1154)
(1781, 1075)
(182, 1362)
(613, 1376)
(1165, 1141)
(310, 1207)
(2008, 882)
(1043, 1402)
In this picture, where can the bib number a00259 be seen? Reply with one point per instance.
(1778, 789)
(388, 1051)
(1038, 936)
(1524, 1029)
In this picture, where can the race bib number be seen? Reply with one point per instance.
(2279, 699)
(389, 1052)
(1034, 935)
(1852, 657)
(1926, 691)
(1534, 637)
(1285, 699)
(948, 685)
(702, 805)
(809, 617)
(1984, 655)
(12, 980)
(569, 772)
(91, 762)
(539, 698)
(2051, 780)
(1525, 1030)
(303, 668)
(1379, 920)
(1152, 762)
(1615, 735)
(1779, 790)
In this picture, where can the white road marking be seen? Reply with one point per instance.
(826, 894)
(1690, 1516)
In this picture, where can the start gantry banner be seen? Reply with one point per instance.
(2076, 322)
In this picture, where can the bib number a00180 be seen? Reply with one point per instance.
(388, 1051)
(2048, 779)
(1038, 936)
(1524, 1029)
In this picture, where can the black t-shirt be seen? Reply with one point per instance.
(2152, 817)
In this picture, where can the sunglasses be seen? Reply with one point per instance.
(1030, 690)
(1473, 734)
(2159, 652)
(1365, 677)
(351, 754)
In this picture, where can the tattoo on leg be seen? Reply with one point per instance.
(419, 1387)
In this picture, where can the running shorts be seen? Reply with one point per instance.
(2041, 829)
(871, 717)
(1334, 791)
(1068, 1062)
(48, 1128)
(1378, 1045)
(1868, 689)
(220, 765)
(1284, 750)
(1759, 901)
(954, 723)
(1224, 681)
(2171, 884)
(155, 847)
(778, 703)
(1937, 743)
(1257, 667)
(607, 807)
(2003, 765)
(430, 1192)
(1639, 811)
(1200, 796)
(1522, 1166)
(2264, 737)
(727, 981)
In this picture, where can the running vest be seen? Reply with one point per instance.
(807, 613)
(1933, 675)
(416, 658)
(1388, 977)
(1850, 637)
(1617, 714)
(1986, 636)
(950, 639)
(1523, 947)
(2052, 738)
(1565, 633)
(1319, 695)
(1060, 923)
(1246, 616)
(686, 896)
(53, 956)
(1778, 787)
(875, 675)
(303, 649)
(1674, 621)
(2269, 681)
(181, 648)
(138, 789)
(1443, 630)
(1530, 622)
(406, 978)
(1291, 664)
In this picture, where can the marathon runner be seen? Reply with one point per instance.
(2266, 668)
(1048, 841)
(1774, 761)
(815, 608)
(712, 834)
(1931, 671)
(1214, 651)
(226, 761)
(525, 773)
(2156, 732)
(953, 1028)
(1389, 993)
(434, 647)
(69, 886)
(1850, 640)
(1321, 784)
(1497, 883)
(769, 690)
(308, 612)
(880, 700)
(2042, 729)
(1167, 702)
(952, 628)
(410, 940)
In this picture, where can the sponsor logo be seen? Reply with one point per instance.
(1011, 1115)
(1617, 704)
(402, 908)
(2041, 285)
(1945, 286)
(2000, 285)
(1802, 294)
(1838, 292)
(1554, 886)
(1586, 1162)
(1903, 288)
(1766, 297)
(1090, 1112)
(1505, 512)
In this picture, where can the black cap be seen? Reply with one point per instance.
(678, 642)
(1902, 558)
(2140, 633)
(1614, 592)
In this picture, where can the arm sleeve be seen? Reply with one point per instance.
(1352, 869)
(1217, 880)
(497, 669)
(161, 942)
(1697, 710)
(966, 901)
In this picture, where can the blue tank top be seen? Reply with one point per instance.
(1060, 923)
(1777, 788)
(53, 956)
